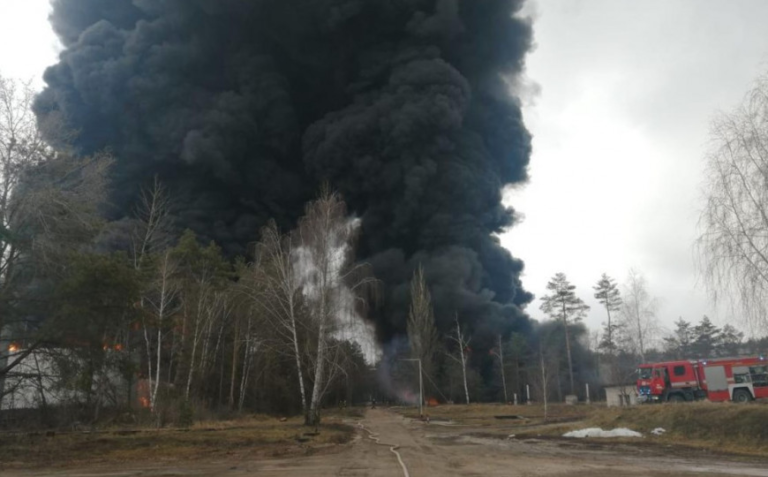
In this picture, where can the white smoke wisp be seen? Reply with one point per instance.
(346, 322)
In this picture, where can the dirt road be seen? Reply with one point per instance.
(447, 451)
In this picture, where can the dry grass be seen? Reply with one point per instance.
(720, 427)
(489, 414)
(726, 427)
(248, 436)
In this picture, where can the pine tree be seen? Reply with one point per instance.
(607, 293)
(730, 340)
(682, 340)
(563, 304)
(707, 338)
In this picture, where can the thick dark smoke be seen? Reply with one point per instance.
(243, 107)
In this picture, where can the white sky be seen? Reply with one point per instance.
(627, 90)
(27, 43)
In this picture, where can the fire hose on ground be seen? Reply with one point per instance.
(392, 447)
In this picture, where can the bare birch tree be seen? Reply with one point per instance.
(638, 312)
(252, 344)
(461, 343)
(273, 284)
(499, 353)
(151, 233)
(43, 194)
(160, 305)
(21, 149)
(48, 208)
(324, 237)
(733, 244)
(332, 284)
(212, 305)
(202, 277)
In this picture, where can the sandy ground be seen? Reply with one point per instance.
(447, 451)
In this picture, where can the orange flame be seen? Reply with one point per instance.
(13, 348)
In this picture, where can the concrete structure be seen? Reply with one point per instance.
(620, 395)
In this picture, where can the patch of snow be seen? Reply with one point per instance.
(658, 431)
(597, 432)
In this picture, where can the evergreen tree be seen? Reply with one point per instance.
(707, 338)
(730, 341)
(609, 341)
(680, 344)
(607, 293)
(95, 307)
(563, 305)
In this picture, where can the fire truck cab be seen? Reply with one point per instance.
(721, 379)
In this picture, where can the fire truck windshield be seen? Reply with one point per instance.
(644, 373)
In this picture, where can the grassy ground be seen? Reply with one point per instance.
(493, 415)
(725, 427)
(721, 427)
(248, 436)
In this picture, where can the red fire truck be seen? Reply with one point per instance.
(721, 379)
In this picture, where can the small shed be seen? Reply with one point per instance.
(620, 395)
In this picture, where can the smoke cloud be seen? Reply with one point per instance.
(243, 107)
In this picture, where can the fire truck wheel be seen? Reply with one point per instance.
(741, 395)
(676, 398)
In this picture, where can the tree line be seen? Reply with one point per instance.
(97, 315)
(101, 313)
(631, 334)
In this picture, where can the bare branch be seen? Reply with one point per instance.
(733, 244)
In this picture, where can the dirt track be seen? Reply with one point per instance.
(446, 450)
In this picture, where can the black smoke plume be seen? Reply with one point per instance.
(243, 107)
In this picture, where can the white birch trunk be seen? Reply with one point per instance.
(162, 308)
(150, 370)
(314, 406)
(190, 373)
(247, 358)
(463, 362)
(297, 357)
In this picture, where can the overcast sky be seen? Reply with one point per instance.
(27, 43)
(626, 90)
(620, 125)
